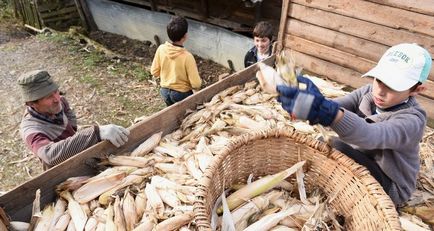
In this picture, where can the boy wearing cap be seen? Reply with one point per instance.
(379, 125)
(262, 38)
(49, 126)
(174, 65)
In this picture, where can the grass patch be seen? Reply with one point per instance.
(89, 79)
(140, 73)
(93, 59)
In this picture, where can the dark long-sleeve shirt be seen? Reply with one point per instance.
(53, 140)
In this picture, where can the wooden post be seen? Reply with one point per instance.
(282, 25)
(154, 5)
(204, 9)
(87, 15)
(81, 14)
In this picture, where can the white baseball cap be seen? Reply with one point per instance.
(402, 66)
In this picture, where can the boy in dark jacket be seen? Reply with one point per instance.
(262, 38)
(379, 125)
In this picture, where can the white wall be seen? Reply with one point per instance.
(207, 41)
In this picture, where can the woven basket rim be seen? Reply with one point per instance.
(384, 205)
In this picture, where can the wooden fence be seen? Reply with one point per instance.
(343, 39)
(56, 14)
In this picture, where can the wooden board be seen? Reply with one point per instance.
(376, 13)
(18, 202)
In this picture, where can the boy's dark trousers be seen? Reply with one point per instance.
(171, 96)
(365, 160)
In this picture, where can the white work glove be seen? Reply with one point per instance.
(117, 135)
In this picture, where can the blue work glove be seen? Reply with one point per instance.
(308, 104)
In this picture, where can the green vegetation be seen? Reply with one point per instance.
(93, 59)
(6, 10)
(89, 79)
(140, 73)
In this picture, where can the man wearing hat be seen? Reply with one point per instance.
(380, 125)
(49, 126)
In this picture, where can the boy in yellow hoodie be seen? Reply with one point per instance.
(174, 65)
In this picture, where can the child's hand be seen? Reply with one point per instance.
(308, 104)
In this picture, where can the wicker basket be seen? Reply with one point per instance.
(357, 195)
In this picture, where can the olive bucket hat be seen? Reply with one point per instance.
(36, 85)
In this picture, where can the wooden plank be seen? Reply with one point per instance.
(166, 120)
(50, 6)
(346, 76)
(372, 12)
(88, 15)
(59, 12)
(420, 6)
(282, 25)
(339, 57)
(359, 28)
(79, 9)
(344, 42)
(71, 15)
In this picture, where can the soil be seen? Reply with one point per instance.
(101, 90)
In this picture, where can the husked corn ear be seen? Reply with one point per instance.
(119, 217)
(72, 183)
(95, 187)
(59, 210)
(140, 202)
(45, 220)
(78, 216)
(104, 198)
(63, 222)
(169, 197)
(109, 222)
(91, 224)
(71, 226)
(132, 161)
(154, 200)
(15, 225)
(147, 223)
(148, 145)
(129, 209)
(176, 222)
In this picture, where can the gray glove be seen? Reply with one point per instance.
(117, 135)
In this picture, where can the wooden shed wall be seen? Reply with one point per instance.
(343, 39)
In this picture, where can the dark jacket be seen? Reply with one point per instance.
(251, 55)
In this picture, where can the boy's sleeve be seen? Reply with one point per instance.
(155, 67)
(351, 101)
(193, 73)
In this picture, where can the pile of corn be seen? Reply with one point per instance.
(153, 186)
(269, 204)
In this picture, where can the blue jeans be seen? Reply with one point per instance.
(171, 96)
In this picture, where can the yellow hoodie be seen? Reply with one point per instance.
(176, 68)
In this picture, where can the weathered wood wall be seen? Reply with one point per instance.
(56, 14)
(343, 39)
(232, 14)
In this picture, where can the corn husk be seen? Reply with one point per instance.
(174, 223)
(148, 145)
(62, 222)
(129, 209)
(78, 216)
(15, 226)
(154, 200)
(260, 186)
(95, 187)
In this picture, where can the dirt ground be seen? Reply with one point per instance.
(99, 89)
